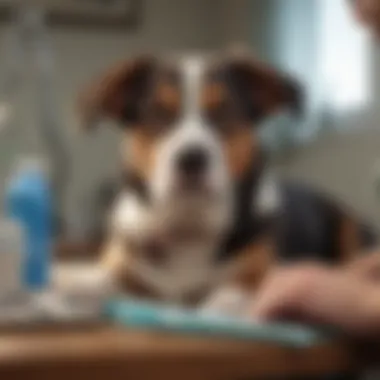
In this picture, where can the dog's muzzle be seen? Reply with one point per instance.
(192, 165)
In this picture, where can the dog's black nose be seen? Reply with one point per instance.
(193, 161)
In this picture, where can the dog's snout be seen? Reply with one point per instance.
(193, 161)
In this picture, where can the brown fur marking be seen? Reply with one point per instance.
(240, 147)
(271, 89)
(114, 256)
(254, 262)
(348, 239)
(141, 149)
(167, 96)
(213, 95)
(104, 97)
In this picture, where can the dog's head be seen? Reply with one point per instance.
(190, 123)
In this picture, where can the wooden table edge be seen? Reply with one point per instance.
(112, 348)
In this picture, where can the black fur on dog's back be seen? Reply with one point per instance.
(310, 225)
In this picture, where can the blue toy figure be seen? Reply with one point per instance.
(29, 202)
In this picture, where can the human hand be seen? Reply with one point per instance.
(367, 12)
(312, 293)
(367, 266)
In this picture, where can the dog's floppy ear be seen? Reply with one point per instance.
(264, 89)
(118, 94)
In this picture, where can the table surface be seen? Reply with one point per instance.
(108, 352)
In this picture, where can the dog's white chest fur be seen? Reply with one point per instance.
(186, 267)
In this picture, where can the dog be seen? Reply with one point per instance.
(199, 219)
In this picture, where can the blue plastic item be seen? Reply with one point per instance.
(143, 315)
(29, 202)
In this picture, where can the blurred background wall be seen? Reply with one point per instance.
(340, 160)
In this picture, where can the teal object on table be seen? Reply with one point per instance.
(137, 314)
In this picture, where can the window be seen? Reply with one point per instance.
(343, 57)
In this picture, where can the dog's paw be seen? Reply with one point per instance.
(229, 301)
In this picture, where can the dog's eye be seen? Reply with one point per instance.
(221, 117)
(162, 115)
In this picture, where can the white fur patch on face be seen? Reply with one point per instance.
(268, 198)
(191, 130)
